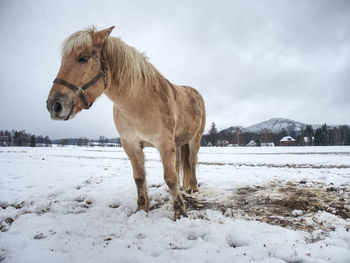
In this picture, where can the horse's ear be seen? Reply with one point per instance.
(100, 36)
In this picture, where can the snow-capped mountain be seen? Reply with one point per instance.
(274, 125)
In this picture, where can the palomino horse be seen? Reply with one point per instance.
(148, 110)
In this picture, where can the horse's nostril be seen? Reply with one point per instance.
(57, 107)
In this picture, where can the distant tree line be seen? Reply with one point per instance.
(102, 141)
(82, 141)
(322, 136)
(22, 138)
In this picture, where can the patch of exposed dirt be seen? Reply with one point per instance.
(288, 204)
(291, 204)
(274, 165)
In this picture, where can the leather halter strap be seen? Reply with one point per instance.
(79, 90)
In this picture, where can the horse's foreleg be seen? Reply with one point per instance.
(170, 166)
(137, 158)
(178, 162)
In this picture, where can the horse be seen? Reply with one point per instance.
(148, 110)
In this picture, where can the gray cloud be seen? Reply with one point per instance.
(251, 60)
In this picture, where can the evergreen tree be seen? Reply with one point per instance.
(321, 136)
(258, 142)
(344, 131)
(308, 131)
(318, 137)
(32, 141)
(325, 136)
(213, 134)
(3, 138)
(213, 129)
(9, 139)
(347, 138)
(16, 139)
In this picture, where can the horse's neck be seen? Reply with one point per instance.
(123, 95)
(130, 82)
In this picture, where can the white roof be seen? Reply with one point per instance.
(251, 143)
(287, 139)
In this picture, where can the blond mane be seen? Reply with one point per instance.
(130, 68)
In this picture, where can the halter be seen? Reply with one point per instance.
(79, 90)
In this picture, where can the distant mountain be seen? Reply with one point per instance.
(232, 129)
(275, 125)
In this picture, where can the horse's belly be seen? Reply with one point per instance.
(187, 129)
(183, 139)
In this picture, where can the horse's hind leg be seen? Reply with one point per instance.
(170, 166)
(186, 168)
(136, 156)
(191, 181)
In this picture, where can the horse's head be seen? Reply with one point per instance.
(82, 75)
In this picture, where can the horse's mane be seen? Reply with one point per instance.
(129, 67)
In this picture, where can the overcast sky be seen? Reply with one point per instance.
(251, 60)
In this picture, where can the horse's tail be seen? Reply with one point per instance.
(185, 165)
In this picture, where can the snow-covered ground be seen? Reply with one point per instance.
(282, 204)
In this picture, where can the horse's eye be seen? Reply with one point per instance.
(83, 59)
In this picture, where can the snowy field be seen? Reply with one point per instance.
(282, 204)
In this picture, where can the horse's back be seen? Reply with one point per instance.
(190, 114)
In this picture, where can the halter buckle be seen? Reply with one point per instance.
(79, 91)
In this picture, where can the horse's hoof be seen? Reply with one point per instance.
(142, 204)
(142, 208)
(180, 213)
(192, 190)
(188, 191)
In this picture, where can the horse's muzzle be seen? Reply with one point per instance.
(60, 106)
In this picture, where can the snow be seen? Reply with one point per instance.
(287, 139)
(252, 143)
(76, 204)
(297, 212)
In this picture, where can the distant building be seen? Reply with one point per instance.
(252, 143)
(222, 143)
(288, 141)
(268, 144)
